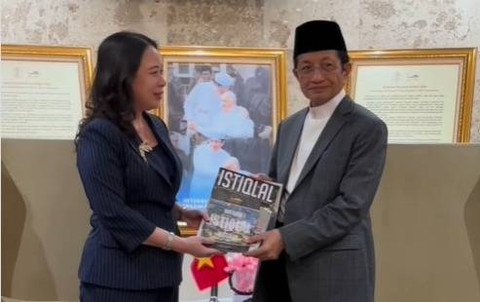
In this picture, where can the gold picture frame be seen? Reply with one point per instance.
(400, 85)
(36, 79)
(258, 83)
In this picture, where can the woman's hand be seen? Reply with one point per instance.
(193, 218)
(196, 246)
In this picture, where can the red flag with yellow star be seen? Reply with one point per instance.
(209, 271)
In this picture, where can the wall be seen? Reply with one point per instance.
(44, 220)
(367, 24)
(426, 222)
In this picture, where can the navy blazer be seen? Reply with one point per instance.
(129, 197)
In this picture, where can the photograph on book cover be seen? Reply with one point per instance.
(240, 206)
(222, 107)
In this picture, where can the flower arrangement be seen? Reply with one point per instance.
(242, 271)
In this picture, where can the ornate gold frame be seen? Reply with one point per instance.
(465, 57)
(193, 54)
(81, 55)
(276, 58)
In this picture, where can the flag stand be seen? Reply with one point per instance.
(214, 293)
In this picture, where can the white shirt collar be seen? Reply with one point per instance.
(326, 110)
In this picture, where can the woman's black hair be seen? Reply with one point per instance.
(111, 96)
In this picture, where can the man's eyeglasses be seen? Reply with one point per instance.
(309, 70)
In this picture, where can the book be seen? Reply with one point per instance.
(240, 206)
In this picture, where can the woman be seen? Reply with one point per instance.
(208, 157)
(131, 175)
(233, 121)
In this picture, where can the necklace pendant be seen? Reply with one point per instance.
(144, 148)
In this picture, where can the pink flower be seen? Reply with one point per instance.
(242, 269)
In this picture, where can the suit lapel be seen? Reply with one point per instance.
(334, 124)
(134, 144)
(291, 138)
(161, 133)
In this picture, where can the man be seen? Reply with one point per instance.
(175, 101)
(238, 85)
(233, 121)
(330, 158)
(203, 102)
(223, 81)
(259, 100)
(208, 157)
(203, 74)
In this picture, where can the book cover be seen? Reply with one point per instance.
(240, 206)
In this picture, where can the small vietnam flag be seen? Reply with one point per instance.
(209, 271)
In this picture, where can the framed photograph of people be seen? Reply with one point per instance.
(424, 95)
(222, 107)
(44, 90)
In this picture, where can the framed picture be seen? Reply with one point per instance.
(222, 107)
(424, 95)
(44, 90)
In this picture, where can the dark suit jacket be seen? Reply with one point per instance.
(129, 198)
(327, 232)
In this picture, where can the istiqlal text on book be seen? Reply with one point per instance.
(240, 206)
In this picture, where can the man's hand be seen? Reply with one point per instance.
(271, 245)
(261, 176)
